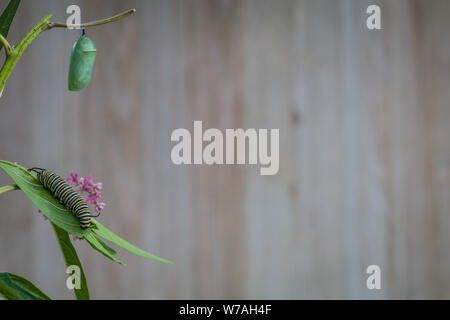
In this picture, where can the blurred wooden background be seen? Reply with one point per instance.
(364, 147)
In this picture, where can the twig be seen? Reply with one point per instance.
(8, 48)
(9, 187)
(94, 23)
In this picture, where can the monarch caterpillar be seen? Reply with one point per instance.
(81, 63)
(66, 195)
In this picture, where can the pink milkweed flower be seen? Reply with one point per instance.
(88, 184)
(73, 178)
(99, 206)
(98, 186)
(93, 197)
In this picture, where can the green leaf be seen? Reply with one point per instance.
(106, 234)
(43, 199)
(108, 248)
(71, 258)
(14, 287)
(7, 17)
(97, 245)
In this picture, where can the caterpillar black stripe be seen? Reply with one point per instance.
(66, 195)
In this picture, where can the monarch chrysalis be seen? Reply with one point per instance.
(81, 63)
(66, 195)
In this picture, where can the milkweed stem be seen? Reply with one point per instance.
(8, 188)
(15, 55)
(8, 48)
(94, 23)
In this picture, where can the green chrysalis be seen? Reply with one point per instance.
(81, 62)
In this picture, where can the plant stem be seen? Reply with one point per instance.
(15, 55)
(8, 48)
(94, 23)
(8, 188)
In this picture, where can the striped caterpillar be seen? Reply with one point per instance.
(66, 195)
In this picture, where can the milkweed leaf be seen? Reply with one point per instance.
(71, 258)
(106, 234)
(14, 287)
(95, 244)
(108, 248)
